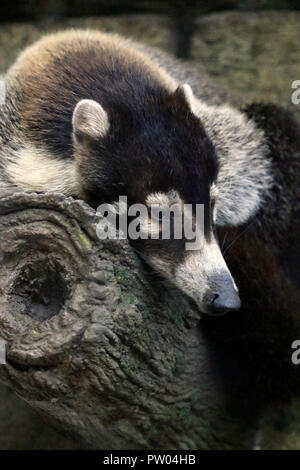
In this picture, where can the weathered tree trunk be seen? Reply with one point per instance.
(90, 341)
(106, 350)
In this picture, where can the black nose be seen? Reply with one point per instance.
(225, 303)
(223, 298)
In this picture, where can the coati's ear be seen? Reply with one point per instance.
(90, 120)
(185, 94)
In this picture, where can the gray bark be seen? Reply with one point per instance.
(104, 349)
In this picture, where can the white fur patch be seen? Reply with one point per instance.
(32, 169)
(245, 173)
(163, 199)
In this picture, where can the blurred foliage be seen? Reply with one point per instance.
(251, 56)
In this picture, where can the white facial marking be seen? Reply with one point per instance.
(163, 199)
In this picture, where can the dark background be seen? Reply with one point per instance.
(37, 9)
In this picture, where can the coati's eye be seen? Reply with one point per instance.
(165, 211)
(213, 210)
(213, 199)
(161, 214)
(213, 217)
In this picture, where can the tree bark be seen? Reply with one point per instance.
(114, 356)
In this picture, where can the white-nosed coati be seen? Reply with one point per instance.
(96, 116)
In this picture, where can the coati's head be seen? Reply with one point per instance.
(155, 151)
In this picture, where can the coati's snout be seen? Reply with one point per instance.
(205, 277)
(201, 274)
(223, 296)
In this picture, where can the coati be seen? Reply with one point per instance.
(97, 116)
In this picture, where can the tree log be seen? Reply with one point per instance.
(117, 357)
